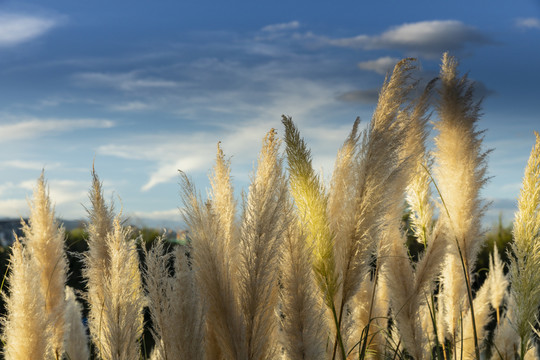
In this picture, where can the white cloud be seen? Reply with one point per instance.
(171, 214)
(13, 208)
(131, 106)
(29, 165)
(427, 38)
(282, 27)
(381, 65)
(28, 128)
(70, 192)
(170, 152)
(124, 81)
(66, 197)
(528, 23)
(19, 28)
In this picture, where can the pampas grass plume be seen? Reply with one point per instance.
(25, 333)
(76, 339)
(525, 261)
(44, 239)
(122, 314)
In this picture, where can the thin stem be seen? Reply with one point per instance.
(338, 333)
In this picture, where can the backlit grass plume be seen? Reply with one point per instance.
(311, 201)
(175, 305)
(460, 174)
(97, 260)
(215, 275)
(525, 262)
(223, 201)
(240, 287)
(263, 223)
(362, 267)
(44, 238)
(76, 339)
(25, 331)
(304, 327)
(122, 308)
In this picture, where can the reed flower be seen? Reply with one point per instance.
(525, 262)
(175, 306)
(506, 339)
(76, 339)
(311, 202)
(123, 302)
(460, 175)
(215, 276)
(97, 261)
(263, 224)
(304, 323)
(44, 239)
(498, 282)
(25, 331)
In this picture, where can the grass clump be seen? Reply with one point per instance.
(300, 269)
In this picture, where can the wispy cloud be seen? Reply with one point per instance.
(381, 65)
(131, 106)
(282, 26)
(239, 124)
(426, 38)
(29, 165)
(528, 23)
(171, 152)
(19, 28)
(171, 214)
(28, 128)
(66, 195)
(124, 81)
(13, 208)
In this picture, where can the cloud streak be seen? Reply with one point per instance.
(426, 38)
(129, 81)
(29, 128)
(282, 27)
(528, 23)
(381, 65)
(19, 28)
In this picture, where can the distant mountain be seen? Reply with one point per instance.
(11, 227)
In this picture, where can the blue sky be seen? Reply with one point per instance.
(146, 88)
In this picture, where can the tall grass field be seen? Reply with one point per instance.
(299, 268)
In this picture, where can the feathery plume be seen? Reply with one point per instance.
(404, 287)
(377, 174)
(506, 339)
(460, 174)
(418, 193)
(122, 314)
(44, 240)
(175, 307)
(25, 333)
(263, 223)
(304, 323)
(76, 339)
(311, 201)
(525, 261)
(97, 260)
(214, 276)
(223, 202)
(466, 343)
(498, 283)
